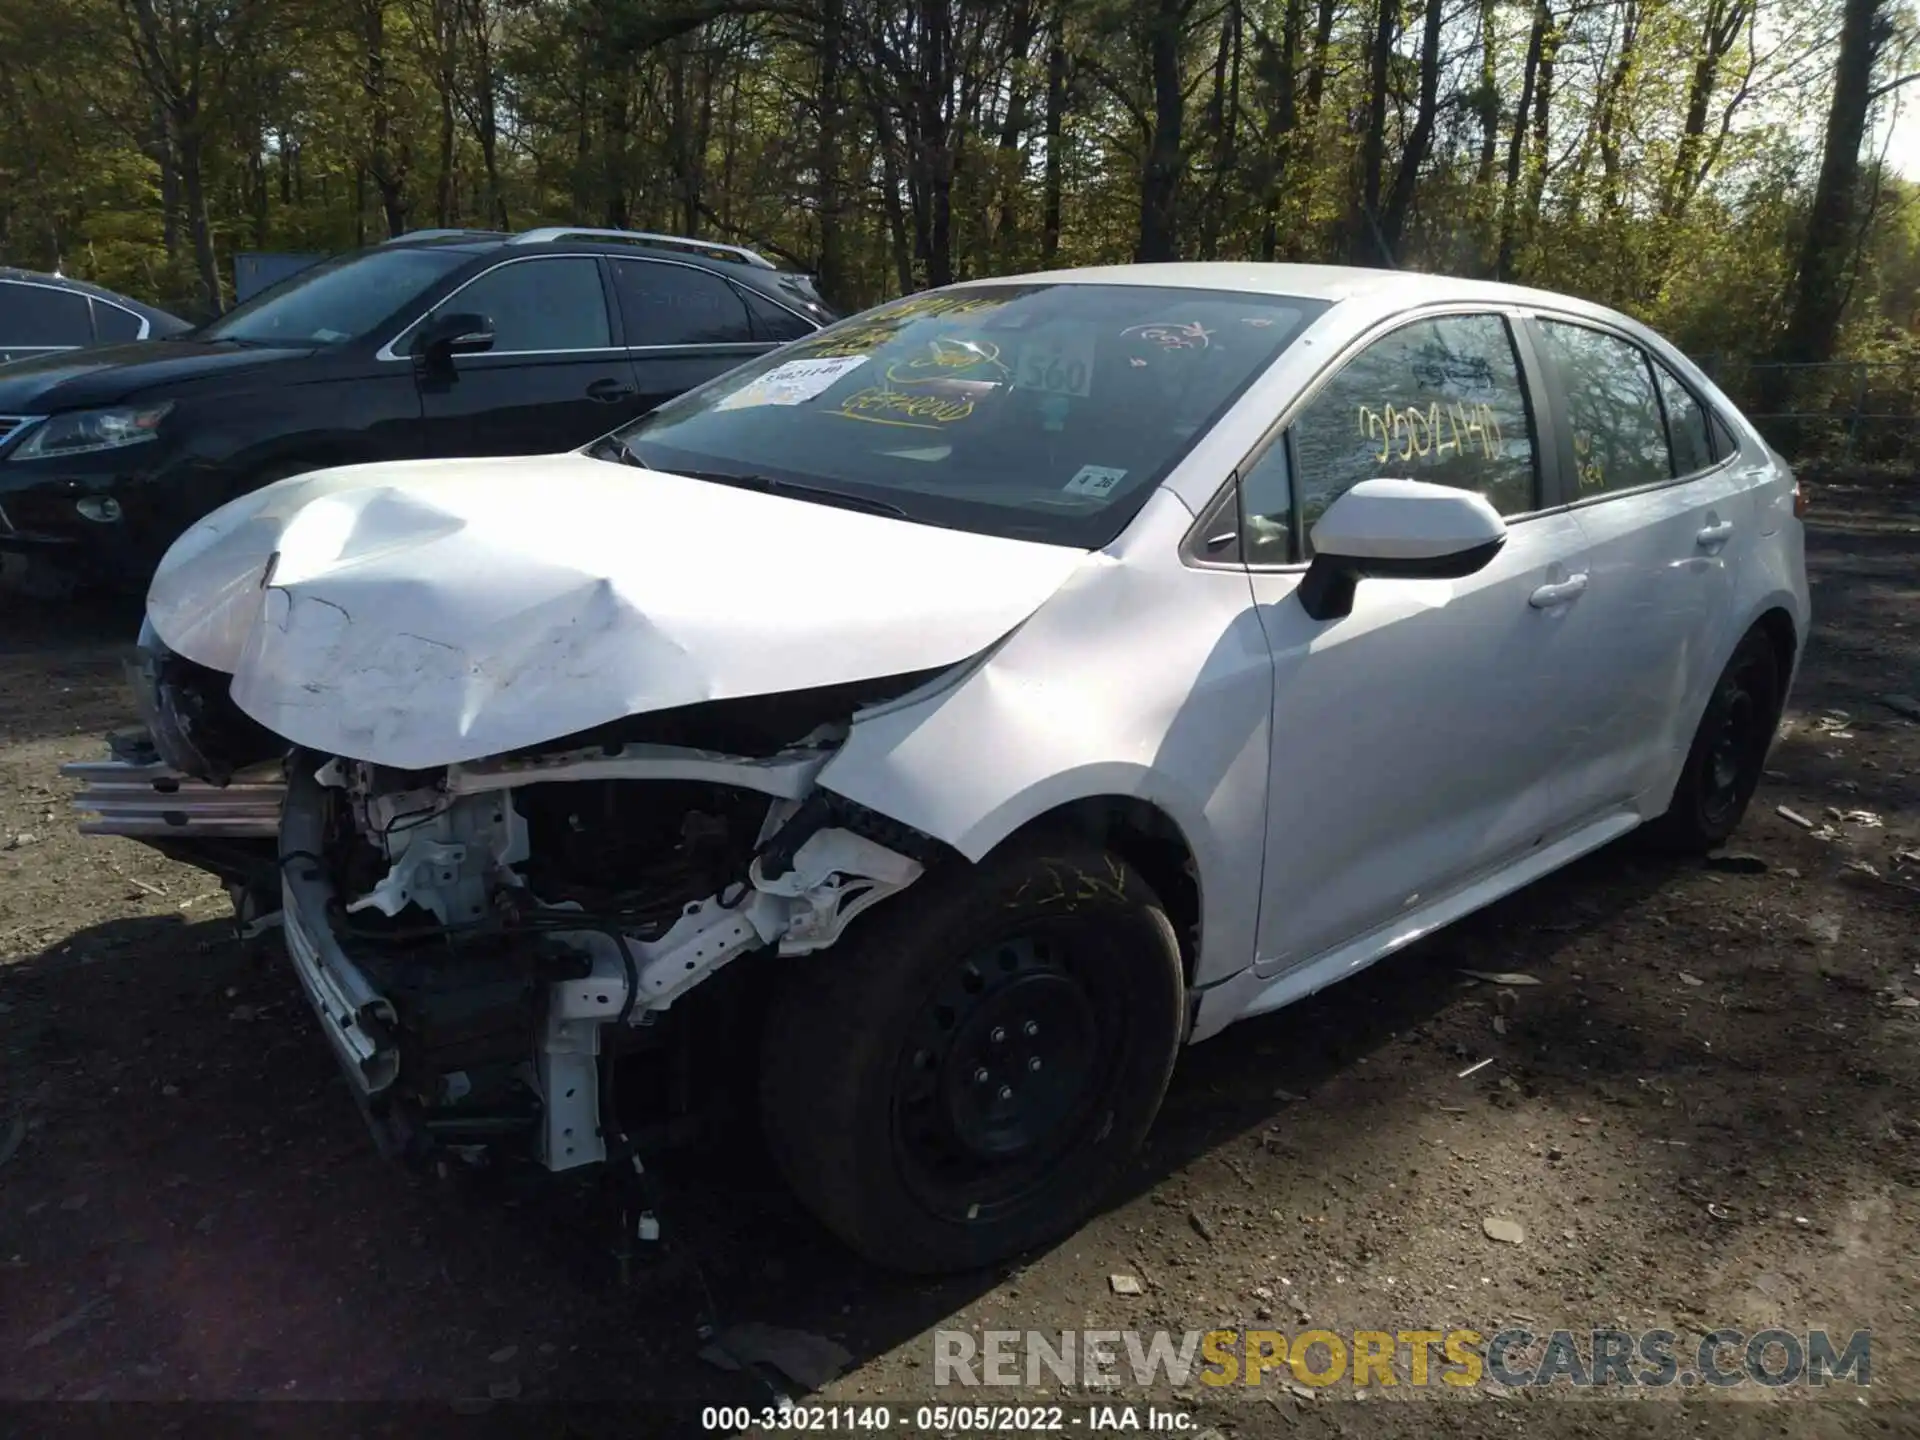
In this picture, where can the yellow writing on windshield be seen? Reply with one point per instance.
(923, 306)
(1437, 430)
(880, 406)
(869, 335)
(862, 340)
(944, 359)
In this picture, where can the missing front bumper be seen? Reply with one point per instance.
(360, 1023)
(148, 800)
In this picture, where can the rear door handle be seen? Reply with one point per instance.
(1714, 534)
(1563, 593)
(609, 391)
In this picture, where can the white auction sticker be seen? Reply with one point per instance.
(1094, 480)
(792, 383)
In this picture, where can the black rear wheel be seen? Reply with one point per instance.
(964, 1076)
(1728, 753)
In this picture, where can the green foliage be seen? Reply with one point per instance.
(1662, 162)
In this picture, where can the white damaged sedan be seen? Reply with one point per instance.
(942, 720)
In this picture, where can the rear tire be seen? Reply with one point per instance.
(1049, 969)
(1728, 753)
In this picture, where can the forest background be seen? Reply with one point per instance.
(1711, 166)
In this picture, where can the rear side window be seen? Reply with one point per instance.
(1723, 442)
(773, 322)
(35, 315)
(540, 305)
(678, 305)
(1686, 424)
(112, 322)
(1619, 435)
(1439, 400)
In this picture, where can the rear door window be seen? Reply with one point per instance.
(114, 322)
(678, 305)
(773, 322)
(38, 316)
(1686, 424)
(1439, 400)
(1613, 414)
(1724, 444)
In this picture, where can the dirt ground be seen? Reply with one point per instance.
(1706, 1113)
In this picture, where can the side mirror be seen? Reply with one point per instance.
(1396, 530)
(444, 336)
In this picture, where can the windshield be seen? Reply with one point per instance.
(337, 300)
(1042, 412)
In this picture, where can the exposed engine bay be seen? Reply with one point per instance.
(481, 940)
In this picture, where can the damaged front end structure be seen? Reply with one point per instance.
(467, 935)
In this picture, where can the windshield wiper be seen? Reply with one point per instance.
(772, 485)
(612, 447)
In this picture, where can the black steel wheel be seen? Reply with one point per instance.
(963, 1077)
(1728, 753)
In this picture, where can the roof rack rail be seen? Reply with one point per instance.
(645, 237)
(437, 235)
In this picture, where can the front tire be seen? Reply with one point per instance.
(1728, 753)
(966, 1075)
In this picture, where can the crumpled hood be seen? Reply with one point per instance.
(425, 613)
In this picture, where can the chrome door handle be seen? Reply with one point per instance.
(1714, 534)
(1566, 591)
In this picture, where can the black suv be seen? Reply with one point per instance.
(438, 343)
(45, 314)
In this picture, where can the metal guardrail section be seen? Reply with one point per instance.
(118, 798)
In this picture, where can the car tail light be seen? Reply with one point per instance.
(1801, 499)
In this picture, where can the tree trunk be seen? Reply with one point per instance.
(1160, 175)
(1537, 134)
(166, 156)
(1606, 123)
(259, 194)
(387, 162)
(1223, 120)
(1488, 98)
(1011, 161)
(199, 223)
(1826, 252)
(890, 199)
(1056, 108)
(446, 82)
(1362, 237)
(616, 124)
(1284, 124)
(831, 263)
(1393, 223)
(1516, 145)
(483, 113)
(444, 185)
(1322, 48)
(1725, 19)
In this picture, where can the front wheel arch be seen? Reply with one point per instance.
(1147, 838)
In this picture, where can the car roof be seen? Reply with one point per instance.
(84, 287)
(1332, 283)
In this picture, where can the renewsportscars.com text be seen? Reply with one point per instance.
(1513, 1357)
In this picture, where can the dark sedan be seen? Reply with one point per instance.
(438, 344)
(51, 314)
